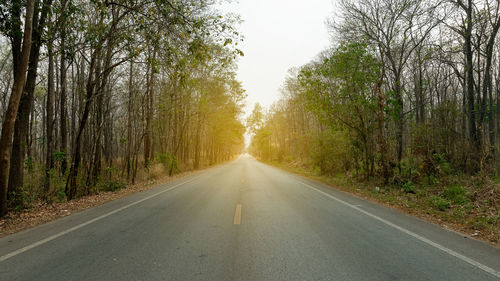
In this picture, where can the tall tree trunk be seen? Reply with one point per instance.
(381, 127)
(400, 121)
(12, 109)
(63, 87)
(488, 88)
(469, 68)
(71, 184)
(98, 139)
(497, 104)
(420, 92)
(130, 106)
(149, 114)
(22, 123)
(197, 147)
(100, 92)
(108, 130)
(49, 164)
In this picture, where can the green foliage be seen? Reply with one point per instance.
(338, 89)
(256, 119)
(57, 185)
(436, 167)
(331, 152)
(440, 203)
(28, 163)
(59, 156)
(168, 160)
(182, 56)
(409, 187)
(456, 194)
(393, 108)
(261, 143)
(493, 219)
(61, 196)
(410, 169)
(340, 133)
(110, 185)
(441, 164)
(23, 198)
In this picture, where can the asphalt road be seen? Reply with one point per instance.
(244, 221)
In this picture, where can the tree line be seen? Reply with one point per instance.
(96, 92)
(409, 89)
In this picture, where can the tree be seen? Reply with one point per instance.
(168, 68)
(15, 97)
(21, 127)
(256, 119)
(389, 26)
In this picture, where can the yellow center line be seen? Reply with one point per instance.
(237, 214)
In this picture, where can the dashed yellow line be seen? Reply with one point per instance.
(237, 214)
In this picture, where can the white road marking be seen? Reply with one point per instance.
(404, 230)
(50, 238)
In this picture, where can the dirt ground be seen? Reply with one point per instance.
(43, 212)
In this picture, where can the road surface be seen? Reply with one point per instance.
(244, 221)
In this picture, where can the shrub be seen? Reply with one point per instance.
(61, 196)
(437, 166)
(456, 194)
(110, 185)
(29, 163)
(59, 156)
(409, 168)
(23, 198)
(57, 185)
(168, 160)
(492, 220)
(409, 187)
(442, 165)
(440, 203)
(331, 152)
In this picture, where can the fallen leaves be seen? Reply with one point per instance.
(43, 212)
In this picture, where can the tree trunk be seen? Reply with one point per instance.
(108, 130)
(22, 124)
(469, 67)
(381, 127)
(130, 120)
(400, 120)
(488, 88)
(197, 147)
(49, 164)
(12, 109)
(62, 99)
(71, 184)
(149, 114)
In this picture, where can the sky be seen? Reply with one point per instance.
(279, 35)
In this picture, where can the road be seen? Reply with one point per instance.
(244, 221)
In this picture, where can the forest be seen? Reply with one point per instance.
(406, 98)
(97, 94)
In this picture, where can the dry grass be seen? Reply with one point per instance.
(478, 218)
(42, 212)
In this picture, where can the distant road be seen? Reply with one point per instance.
(244, 221)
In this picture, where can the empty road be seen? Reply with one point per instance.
(244, 221)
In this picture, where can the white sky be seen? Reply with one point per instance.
(279, 35)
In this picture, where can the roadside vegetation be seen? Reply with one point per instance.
(96, 95)
(402, 108)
